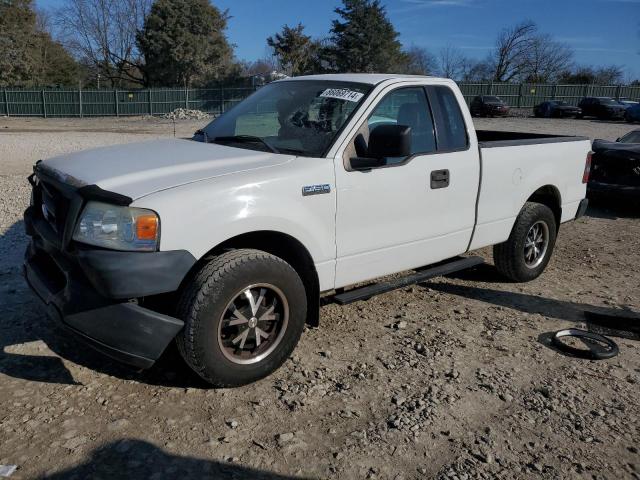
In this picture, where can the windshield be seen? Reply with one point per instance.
(632, 137)
(300, 117)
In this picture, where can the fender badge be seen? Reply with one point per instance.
(315, 189)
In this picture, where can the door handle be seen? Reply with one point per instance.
(439, 179)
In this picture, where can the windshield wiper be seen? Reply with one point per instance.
(246, 139)
(294, 151)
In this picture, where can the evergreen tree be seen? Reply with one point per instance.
(364, 39)
(18, 45)
(184, 43)
(28, 55)
(294, 50)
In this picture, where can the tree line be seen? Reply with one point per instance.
(183, 43)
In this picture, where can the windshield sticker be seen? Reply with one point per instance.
(342, 94)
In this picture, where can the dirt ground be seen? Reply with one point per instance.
(453, 378)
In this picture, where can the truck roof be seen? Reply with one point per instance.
(370, 78)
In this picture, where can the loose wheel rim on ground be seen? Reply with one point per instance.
(253, 323)
(536, 244)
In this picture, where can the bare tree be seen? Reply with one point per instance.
(477, 70)
(545, 59)
(104, 33)
(420, 61)
(452, 62)
(509, 56)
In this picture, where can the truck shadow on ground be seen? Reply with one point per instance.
(548, 307)
(137, 459)
(610, 319)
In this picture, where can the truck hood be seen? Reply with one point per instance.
(139, 169)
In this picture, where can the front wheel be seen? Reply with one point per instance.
(244, 312)
(525, 255)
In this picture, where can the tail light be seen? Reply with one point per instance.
(587, 168)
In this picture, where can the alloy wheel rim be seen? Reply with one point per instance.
(253, 323)
(536, 244)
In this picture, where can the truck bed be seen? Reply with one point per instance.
(496, 138)
(514, 166)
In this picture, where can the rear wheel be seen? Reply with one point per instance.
(244, 313)
(525, 255)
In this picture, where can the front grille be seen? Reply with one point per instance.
(51, 205)
(49, 271)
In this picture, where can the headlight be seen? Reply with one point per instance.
(118, 228)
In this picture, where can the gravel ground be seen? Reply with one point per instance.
(453, 378)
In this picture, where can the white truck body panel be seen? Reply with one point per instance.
(390, 220)
(192, 215)
(511, 174)
(138, 169)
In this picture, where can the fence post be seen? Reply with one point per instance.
(44, 105)
(221, 100)
(6, 102)
(80, 100)
(150, 105)
(186, 98)
(520, 95)
(554, 91)
(618, 89)
(115, 97)
(490, 88)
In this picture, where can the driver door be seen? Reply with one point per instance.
(411, 211)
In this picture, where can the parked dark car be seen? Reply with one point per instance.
(556, 108)
(632, 114)
(603, 108)
(615, 168)
(626, 103)
(488, 106)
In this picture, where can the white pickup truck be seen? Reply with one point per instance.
(226, 241)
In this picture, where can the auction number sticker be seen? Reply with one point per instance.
(342, 94)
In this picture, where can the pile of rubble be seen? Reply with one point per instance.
(186, 114)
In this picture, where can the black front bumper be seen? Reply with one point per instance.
(95, 293)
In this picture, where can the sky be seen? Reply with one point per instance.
(601, 32)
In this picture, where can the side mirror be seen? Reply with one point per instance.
(389, 141)
(618, 139)
(385, 141)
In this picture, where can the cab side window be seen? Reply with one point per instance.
(410, 107)
(452, 131)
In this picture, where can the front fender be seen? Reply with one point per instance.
(199, 216)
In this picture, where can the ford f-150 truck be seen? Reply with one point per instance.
(226, 241)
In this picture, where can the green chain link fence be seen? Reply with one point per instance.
(96, 103)
(99, 103)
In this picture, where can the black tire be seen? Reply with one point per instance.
(206, 300)
(509, 256)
